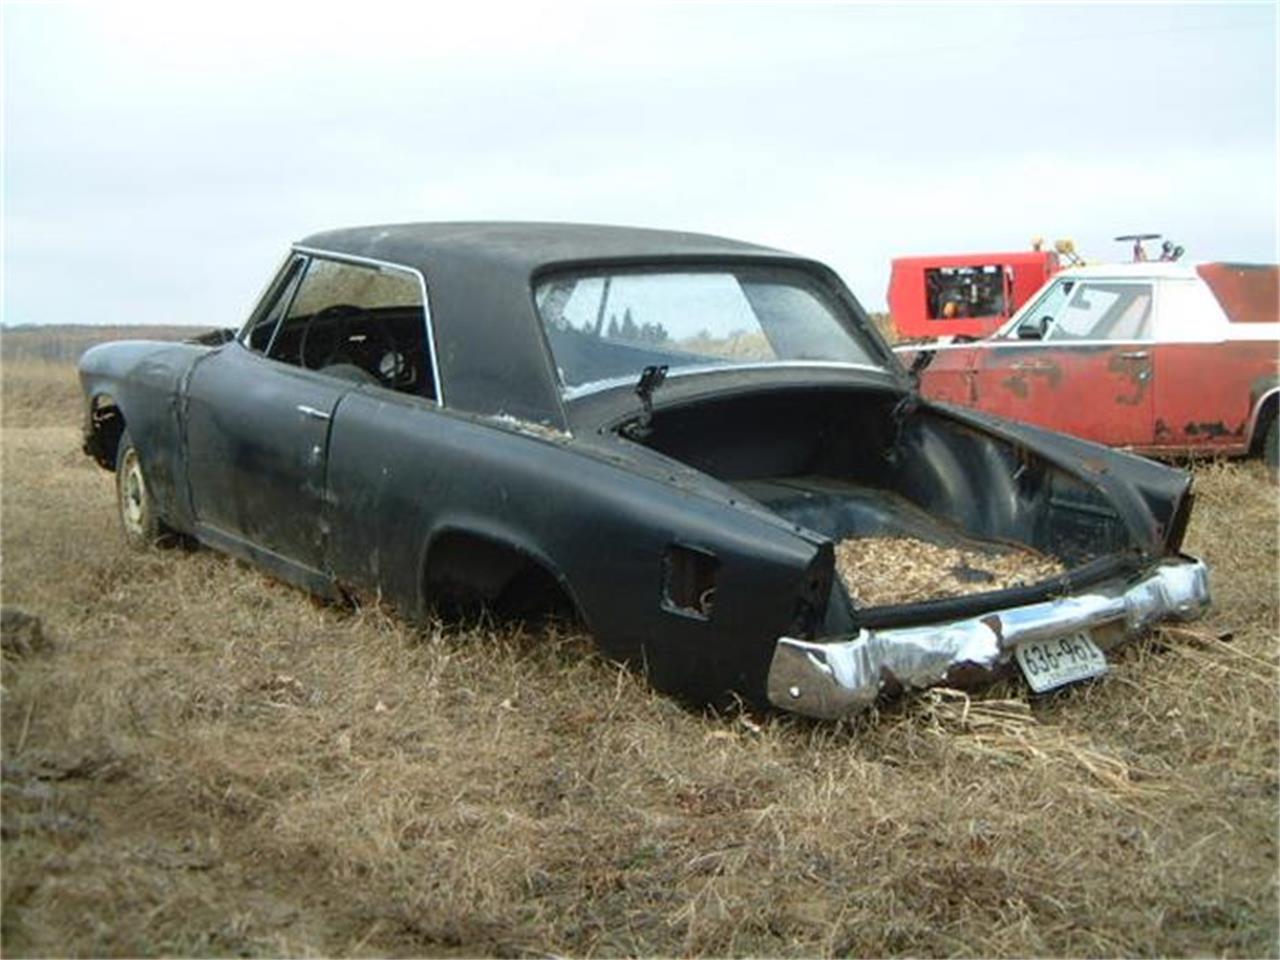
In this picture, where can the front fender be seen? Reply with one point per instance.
(143, 380)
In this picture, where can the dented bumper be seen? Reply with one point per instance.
(839, 678)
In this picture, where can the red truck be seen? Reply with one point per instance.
(967, 294)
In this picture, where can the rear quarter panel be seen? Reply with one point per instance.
(1216, 361)
(1207, 394)
(402, 472)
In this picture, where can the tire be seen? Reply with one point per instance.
(142, 528)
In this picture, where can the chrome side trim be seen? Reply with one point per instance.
(836, 679)
(312, 412)
(426, 300)
(992, 341)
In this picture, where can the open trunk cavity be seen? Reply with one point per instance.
(890, 488)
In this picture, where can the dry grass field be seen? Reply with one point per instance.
(65, 342)
(203, 761)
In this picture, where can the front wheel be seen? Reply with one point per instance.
(142, 528)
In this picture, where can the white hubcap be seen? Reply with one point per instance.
(133, 493)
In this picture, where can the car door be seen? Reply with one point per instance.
(1080, 361)
(257, 433)
(260, 413)
(257, 437)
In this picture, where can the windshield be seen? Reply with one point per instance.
(606, 326)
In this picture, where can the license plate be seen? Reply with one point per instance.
(1048, 664)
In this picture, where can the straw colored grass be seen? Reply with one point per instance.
(206, 762)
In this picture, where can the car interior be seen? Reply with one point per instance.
(383, 346)
(354, 322)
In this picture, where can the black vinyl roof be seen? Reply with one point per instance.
(523, 246)
(490, 348)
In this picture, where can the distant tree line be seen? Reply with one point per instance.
(628, 329)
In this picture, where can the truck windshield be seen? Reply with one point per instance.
(607, 326)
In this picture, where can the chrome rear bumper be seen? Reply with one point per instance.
(842, 677)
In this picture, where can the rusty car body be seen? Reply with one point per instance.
(1161, 358)
(667, 431)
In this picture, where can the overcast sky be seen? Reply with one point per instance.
(158, 159)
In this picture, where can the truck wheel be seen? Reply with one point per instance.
(142, 528)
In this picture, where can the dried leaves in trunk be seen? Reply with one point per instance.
(882, 571)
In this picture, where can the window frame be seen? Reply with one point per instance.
(310, 254)
(1007, 335)
(1092, 338)
(268, 299)
(845, 311)
(1032, 307)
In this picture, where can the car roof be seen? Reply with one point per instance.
(527, 246)
(1149, 269)
(487, 336)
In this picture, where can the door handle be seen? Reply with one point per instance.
(312, 412)
(1134, 355)
(1030, 365)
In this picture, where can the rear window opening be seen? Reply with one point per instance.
(606, 326)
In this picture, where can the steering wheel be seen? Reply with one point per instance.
(357, 340)
(334, 315)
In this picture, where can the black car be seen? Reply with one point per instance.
(702, 447)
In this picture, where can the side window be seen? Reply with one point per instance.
(258, 331)
(1038, 318)
(1105, 311)
(358, 322)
